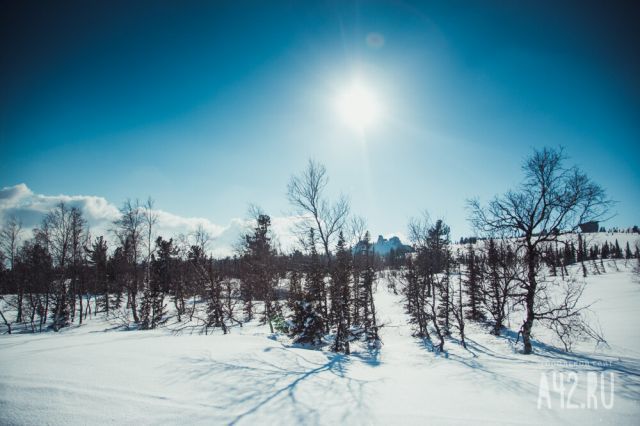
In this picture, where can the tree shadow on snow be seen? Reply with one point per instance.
(428, 345)
(286, 384)
(492, 367)
(624, 365)
(369, 356)
(627, 368)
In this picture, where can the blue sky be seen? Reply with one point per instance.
(209, 106)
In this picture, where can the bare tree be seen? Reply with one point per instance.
(211, 284)
(428, 291)
(201, 238)
(501, 271)
(150, 219)
(551, 199)
(9, 240)
(356, 229)
(419, 229)
(562, 312)
(56, 234)
(306, 194)
(79, 234)
(129, 230)
(457, 307)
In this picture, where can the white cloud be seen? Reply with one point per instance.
(30, 208)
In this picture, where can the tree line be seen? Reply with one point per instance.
(322, 293)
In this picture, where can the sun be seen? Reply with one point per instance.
(358, 106)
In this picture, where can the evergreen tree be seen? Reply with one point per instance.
(152, 309)
(118, 273)
(34, 266)
(438, 247)
(572, 254)
(627, 252)
(365, 305)
(295, 287)
(260, 269)
(581, 256)
(473, 286)
(213, 288)
(617, 251)
(315, 287)
(307, 324)
(98, 261)
(416, 299)
(428, 291)
(340, 292)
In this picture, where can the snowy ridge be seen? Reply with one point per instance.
(383, 246)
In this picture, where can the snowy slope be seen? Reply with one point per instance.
(593, 238)
(89, 375)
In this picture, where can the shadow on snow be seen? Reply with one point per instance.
(287, 383)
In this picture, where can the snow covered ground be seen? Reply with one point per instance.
(94, 374)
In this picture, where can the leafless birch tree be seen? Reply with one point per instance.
(551, 199)
(306, 193)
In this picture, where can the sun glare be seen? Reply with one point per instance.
(358, 106)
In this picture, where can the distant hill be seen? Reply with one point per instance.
(383, 246)
(590, 238)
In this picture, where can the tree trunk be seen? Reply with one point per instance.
(267, 306)
(529, 303)
(43, 319)
(81, 308)
(19, 314)
(134, 307)
(88, 309)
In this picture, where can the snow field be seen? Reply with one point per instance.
(94, 374)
